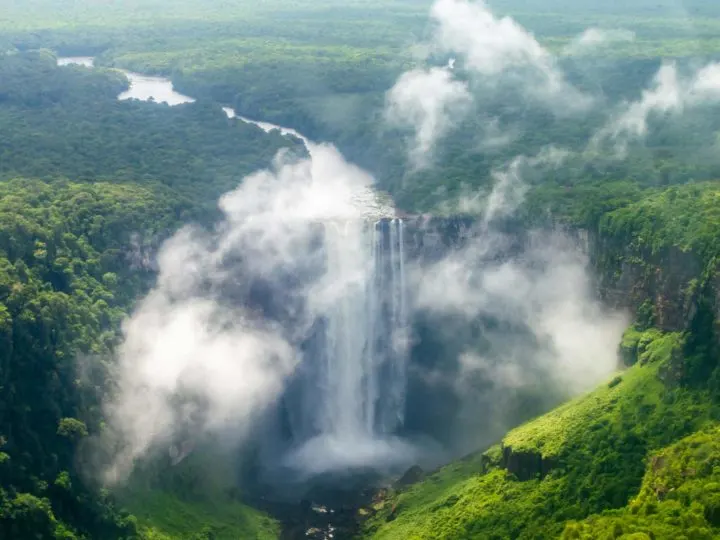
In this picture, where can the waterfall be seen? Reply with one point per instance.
(364, 356)
(353, 383)
(347, 397)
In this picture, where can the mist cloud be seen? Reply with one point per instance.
(200, 356)
(593, 39)
(527, 329)
(430, 102)
(544, 289)
(491, 51)
(495, 48)
(670, 93)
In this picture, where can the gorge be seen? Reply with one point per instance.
(357, 296)
(399, 327)
(472, 293)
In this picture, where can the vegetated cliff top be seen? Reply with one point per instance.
(686, 217)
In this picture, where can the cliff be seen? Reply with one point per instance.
(656, 259)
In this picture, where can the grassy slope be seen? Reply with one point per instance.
(164, 517)
(599, 445)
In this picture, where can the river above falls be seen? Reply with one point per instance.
(161, 90)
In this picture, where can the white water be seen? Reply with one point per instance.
(356, 395)
(347, 411)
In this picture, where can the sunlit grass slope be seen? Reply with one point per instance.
(591, 456)
(164, 516)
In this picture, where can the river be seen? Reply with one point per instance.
(161, 90)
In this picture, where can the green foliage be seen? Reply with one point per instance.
(683, 217)
(679, 497)
(27, 516)
(55, 244)
(164, 515)
(596, 449)
(75, 256)
(80, 131)
(72, 428)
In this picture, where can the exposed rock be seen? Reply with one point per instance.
(526, 465)
(412, 476)
(627, 279)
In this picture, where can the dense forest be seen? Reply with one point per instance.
(327, 73)
(90, 187)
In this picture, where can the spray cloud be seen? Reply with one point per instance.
(670, 93)
(202, 354)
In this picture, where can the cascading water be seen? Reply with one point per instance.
(349, 397)
(390, 325)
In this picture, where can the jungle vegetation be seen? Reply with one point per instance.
(89, 186)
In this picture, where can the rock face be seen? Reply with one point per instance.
(664, 283)
(526, 465)
(670, 289)
(428, 238)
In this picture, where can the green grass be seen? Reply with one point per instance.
(599, 445)
(165, 516)
(549, 434)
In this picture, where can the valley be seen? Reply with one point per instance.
(359, 270)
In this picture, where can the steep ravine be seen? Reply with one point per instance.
(670, 288)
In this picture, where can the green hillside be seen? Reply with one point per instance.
(584, 459)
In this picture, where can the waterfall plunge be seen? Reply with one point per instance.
(350, 397)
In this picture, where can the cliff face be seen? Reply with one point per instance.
(428, 239)
(662, 288)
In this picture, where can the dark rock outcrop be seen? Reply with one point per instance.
(526, 465)
(412, 476)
